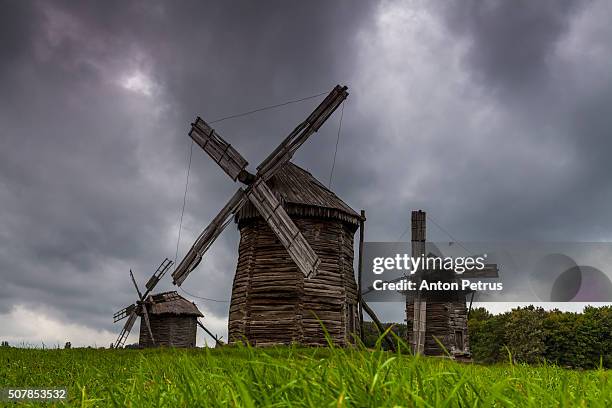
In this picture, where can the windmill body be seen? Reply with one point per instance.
(439, 319)
(173, 320)
(166, 319)
(445, 317)
(272, 302)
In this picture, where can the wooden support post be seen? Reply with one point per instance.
(219, 342)
(362, 304)
(360, 272)
(470, 308)
(388, 338)
(419, 323)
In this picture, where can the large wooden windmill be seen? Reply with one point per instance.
(282, 285)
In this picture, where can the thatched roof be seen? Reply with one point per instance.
(171, 303)
(303, 195)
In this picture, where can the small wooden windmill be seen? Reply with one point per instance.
(167, 319)
(275, 288)
(132, 311)
(439, 316)
(173, 321)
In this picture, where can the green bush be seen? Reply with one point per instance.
(487, 333)
(532, 335)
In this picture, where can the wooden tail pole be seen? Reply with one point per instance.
(388, 338)
(419, 323)
(360, 271)
(219, 342)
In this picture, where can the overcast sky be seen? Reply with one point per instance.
(492, 116)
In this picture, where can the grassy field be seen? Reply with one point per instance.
(299, 377)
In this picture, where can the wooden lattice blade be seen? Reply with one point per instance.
(125, 332)
(217, 148)
(208, 236)
(159, 273)
(489, 271)
(287, 232)
(123, 313)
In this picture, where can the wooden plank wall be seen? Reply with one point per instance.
(444, 318)
(272, 303)
(169, 331)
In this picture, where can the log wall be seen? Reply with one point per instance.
(444, 320)
(169, 331)
(272, 303)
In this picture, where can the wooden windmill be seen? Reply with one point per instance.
(439, 316)
(282, 285)
(167, 319)
(132, 311)
(173, 321)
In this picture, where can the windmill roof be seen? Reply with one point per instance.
(302, 194)
(171, 303)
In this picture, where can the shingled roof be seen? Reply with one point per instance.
(303, 195)
(171, 303)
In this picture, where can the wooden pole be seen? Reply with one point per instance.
(378, 324)
(470, 308)
(360, 272)
(362, 304)
(420, 305)
(219, 342)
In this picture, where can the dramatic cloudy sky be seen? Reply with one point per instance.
(493, 116)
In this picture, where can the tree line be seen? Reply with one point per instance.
(532, 335)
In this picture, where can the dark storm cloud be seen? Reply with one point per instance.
(517, 52)
(97, 98)
(511, 43)
(92, 173)
(490, 145)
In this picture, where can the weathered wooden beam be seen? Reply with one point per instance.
(208, 236)
(219, 342)
(360, 270)
(419, 324)
(388, 338)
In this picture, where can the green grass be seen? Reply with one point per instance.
(291, 376)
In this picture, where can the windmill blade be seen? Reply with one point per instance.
(287, 232)
(147, 322)
(135, 285)
(284, 152)
(157, 275)
(125, 332)
(205, 240)
(218, 149)
(123, 313)
(489, 271)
